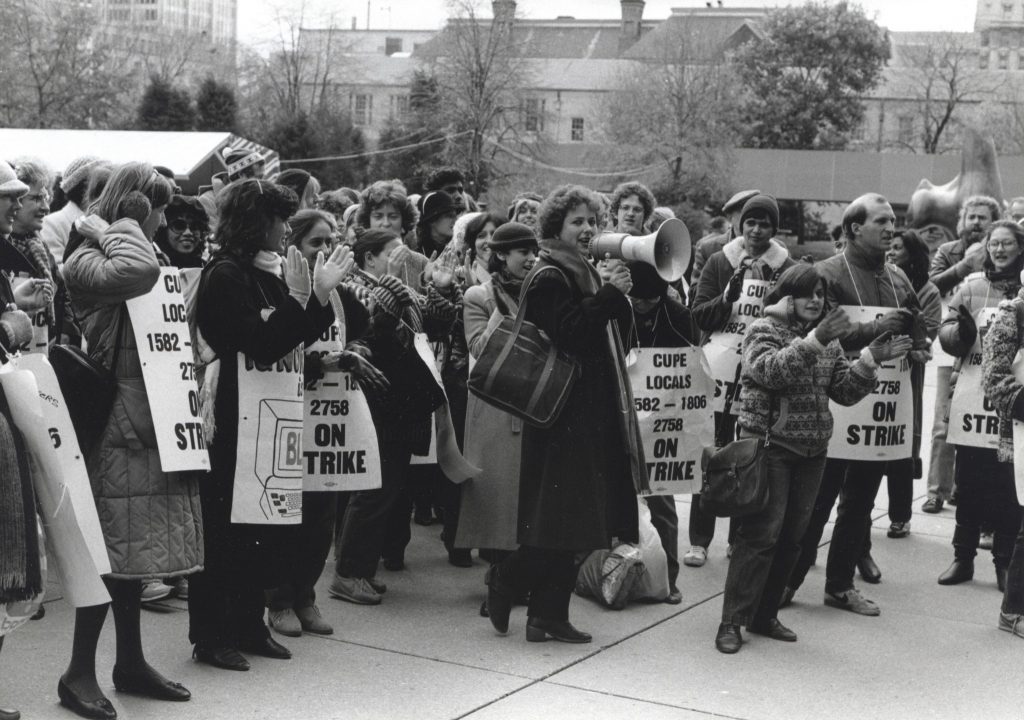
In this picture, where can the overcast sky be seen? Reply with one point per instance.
(256, 18)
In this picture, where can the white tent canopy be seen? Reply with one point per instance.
(192, 156)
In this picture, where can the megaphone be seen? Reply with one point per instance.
(667, 250)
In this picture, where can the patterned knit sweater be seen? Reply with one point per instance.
(788, 379)
(999, 350)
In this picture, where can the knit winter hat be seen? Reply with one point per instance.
(647, 284)
(238, 159)
(77, 171)
(9, 182)
(511, 236)
(391, 295)
(761, 205)
(435, 205)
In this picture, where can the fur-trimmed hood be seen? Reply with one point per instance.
(774, 257)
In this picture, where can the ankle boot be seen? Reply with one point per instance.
(960, 571)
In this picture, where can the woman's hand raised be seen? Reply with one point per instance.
(328, 274)
(296, 275)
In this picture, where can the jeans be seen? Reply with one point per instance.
(369, 515)
(767, 544)
(986, 495)
(857, 481)
(940, 467)
(308, 553)
(1013, 598)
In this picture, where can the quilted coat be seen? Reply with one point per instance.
(151, 520)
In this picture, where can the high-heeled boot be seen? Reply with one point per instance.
(965, 547)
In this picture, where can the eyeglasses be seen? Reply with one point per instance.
(39, 197)
(180, 225)
(1003, 244)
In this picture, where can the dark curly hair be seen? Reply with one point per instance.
(443, 176)
(626, 189)
(559, 202)
(247, 209)
(386, 192)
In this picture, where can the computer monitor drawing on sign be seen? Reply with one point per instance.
(279, 457)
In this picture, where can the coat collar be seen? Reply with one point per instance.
(774, 256)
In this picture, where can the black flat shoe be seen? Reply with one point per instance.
(226, 658)
(460, 558)
(499, 606)
(150, 684)
(869, 570)
(267, 647)
(773, 629)
(728, 640)
(539, 630)
(959, 572)
(101, 709)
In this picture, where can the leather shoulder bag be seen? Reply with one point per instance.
(521, 371)
(736, 479)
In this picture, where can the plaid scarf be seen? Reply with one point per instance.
(34, 250)
(20, 574)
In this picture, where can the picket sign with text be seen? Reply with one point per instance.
(268, 470)
(881, 426)
(672, 390)
(973, 420)
(339, 441)
(724, 349)
(168, 369)
(66, 505)
(40, 329)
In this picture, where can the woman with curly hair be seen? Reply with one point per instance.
(254, 310)
(573, 496)
(151, 520)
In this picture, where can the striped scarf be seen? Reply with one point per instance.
(34, 250)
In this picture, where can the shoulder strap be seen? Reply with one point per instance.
(521, 314)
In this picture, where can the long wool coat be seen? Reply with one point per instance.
(576, 489)
(151, 520)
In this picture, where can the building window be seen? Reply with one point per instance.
(400, 108)
(577, 129)
(533, 111)
(392, 45)
(906, 129)
(860, 131)
(362, 109)
(1007, 10)
(1004, 59)
(983, 60)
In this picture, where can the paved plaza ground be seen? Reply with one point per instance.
(425, 653)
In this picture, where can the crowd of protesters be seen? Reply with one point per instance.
(409, 289)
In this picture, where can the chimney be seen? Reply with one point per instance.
(632, 16)
(504, 12)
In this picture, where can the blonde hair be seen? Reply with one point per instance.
(133, 177)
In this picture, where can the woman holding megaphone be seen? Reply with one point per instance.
(580, 476)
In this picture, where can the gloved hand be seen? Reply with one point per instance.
(1018, 407)
(886, 347)
(919, 333)
(363, 370)
(895, 321)
(834, 325)
(735, 286)
(966, 326)
(296, 275)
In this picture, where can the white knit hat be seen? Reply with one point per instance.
(9, 182)
(77, 170)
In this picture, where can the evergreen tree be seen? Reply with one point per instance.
(165, 107)
(216, 107)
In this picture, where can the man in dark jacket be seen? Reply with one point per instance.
(659, 321)
(858, 276)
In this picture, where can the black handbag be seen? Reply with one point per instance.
(88, 387)
(736, 479)
(520, 370)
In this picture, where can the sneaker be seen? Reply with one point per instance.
(853, 601)
(285, 622)
(312, 621)
(898, 530)
(985, 541)
(353, 590)
(674, 596)
(378, 587)
(153, 590)
(179, 586)
(932, 505)
(696, 556)
(1012, 623)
